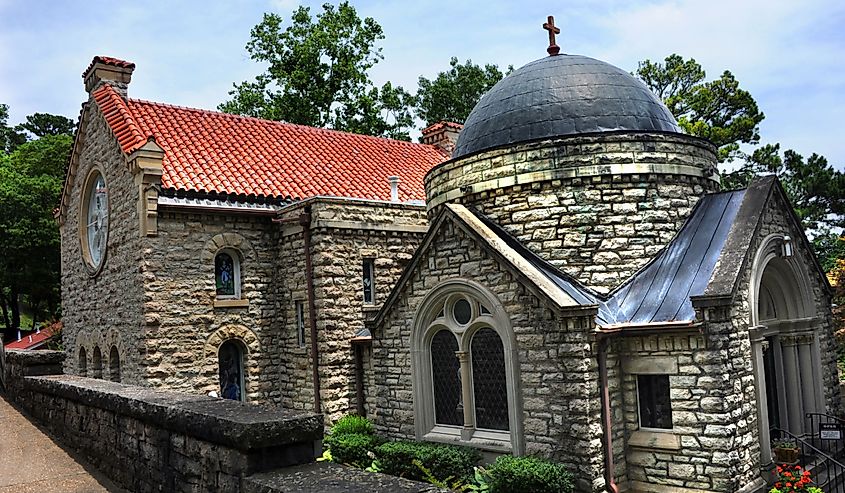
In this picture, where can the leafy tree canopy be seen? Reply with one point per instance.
(453, 94)
(318, 74)
(31, 177)
(717, 110)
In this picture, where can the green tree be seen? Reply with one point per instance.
(317, 73)
(43, 124)
(717, 110)
(453, 94)
(30, 188)
(10, 138)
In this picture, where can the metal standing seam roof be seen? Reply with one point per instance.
(562, 95)
(661, 290)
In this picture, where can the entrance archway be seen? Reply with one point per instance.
(784, 342)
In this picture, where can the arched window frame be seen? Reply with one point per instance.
(82, 367)
(236, 273)
(114, 364)
(97, 363)
(434, 315)
(241, 348)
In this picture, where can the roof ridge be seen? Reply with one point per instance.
(110, 97)
(276, 122)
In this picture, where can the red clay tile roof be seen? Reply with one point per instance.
(208, 151)
(108, 61)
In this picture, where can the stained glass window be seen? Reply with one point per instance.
(224, 274)
(369, 281)
(231, 371)
(655, 403)
(462, 311)
(489, 382)
(446, 376)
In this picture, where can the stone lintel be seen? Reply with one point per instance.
(650, 365)
(655, 440)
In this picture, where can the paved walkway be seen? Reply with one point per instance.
(30, 461)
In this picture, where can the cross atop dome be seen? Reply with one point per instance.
(553, 48)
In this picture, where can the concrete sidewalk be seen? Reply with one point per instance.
(32, 462)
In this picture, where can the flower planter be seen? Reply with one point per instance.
(786, 455)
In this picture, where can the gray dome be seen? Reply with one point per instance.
(562, 95)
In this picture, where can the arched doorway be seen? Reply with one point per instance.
(230, 364)
(785, 345)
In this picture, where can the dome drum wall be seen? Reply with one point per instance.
(596, 206)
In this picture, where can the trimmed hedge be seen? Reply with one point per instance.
(528, 475)
(352, 448)
(352, 423)
(446, 462)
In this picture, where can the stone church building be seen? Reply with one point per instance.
(560, 276)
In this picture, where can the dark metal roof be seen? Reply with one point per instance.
(660, 291)
(562, 95)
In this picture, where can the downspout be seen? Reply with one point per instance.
(359, 378)
(305, 222)
(609, 479)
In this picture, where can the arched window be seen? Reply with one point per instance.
(97, 363)
(231, 370)
(83, 363)
(227, 274)
(465, 376)
(114, 365)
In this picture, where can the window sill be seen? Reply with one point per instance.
(231, 303)
(663, 440)
(370, 307)
(482, 440)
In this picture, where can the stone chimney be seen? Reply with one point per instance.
(108, 70)
(443, 135)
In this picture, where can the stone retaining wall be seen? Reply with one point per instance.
(148, 440)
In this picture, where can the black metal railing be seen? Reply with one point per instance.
(826, 471)
(826, 432)
(2, 364)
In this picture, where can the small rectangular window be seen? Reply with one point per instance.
(369, 281)
(654, 401)
(300, 323)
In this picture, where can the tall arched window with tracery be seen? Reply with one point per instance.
(465, 378)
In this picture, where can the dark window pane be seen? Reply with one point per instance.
(368, 281)
(224, 274)
(488, 377)
(655, 404)
(463, 311)
(446, 375)
(231, 368)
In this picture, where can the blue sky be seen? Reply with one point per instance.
(790, 55)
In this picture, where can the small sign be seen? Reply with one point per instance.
(830, 431)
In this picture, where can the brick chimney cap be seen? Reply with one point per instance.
(441, 124)
(107, 60)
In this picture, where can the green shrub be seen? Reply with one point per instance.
(351, 448)
(528, 475)
(445, 462)
(352, 423)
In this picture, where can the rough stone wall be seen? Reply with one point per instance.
(343, 234)
(597, 207)
(103, 310)
(558, 376)
(150, 441)
(708, 431)
(184, 325)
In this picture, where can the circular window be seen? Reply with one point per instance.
(94, 224)
(462, 311)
